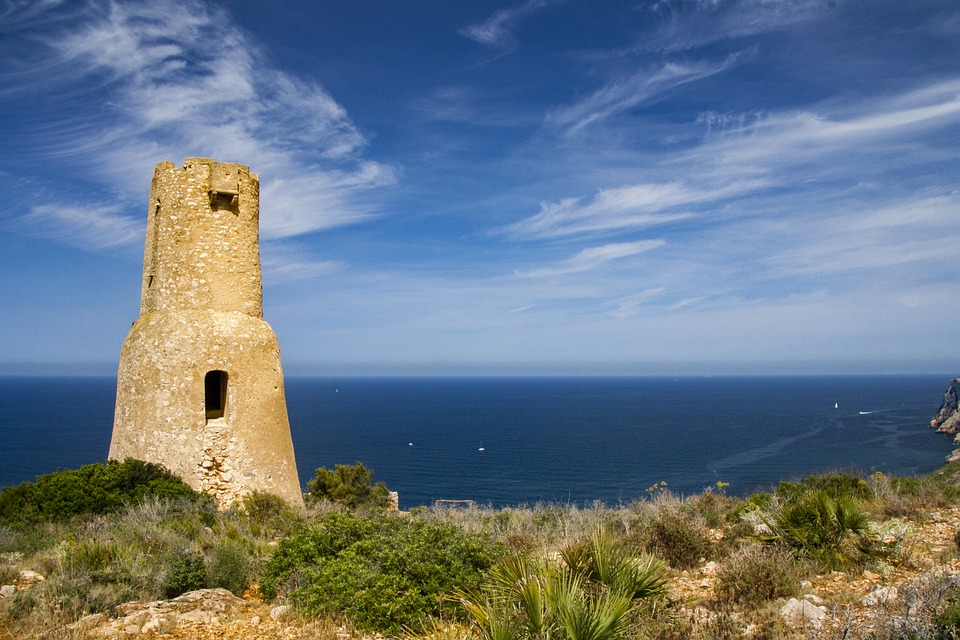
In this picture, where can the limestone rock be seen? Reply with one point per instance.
(206, 606)
(280, 611)
(880, 595)
(802, 613)
(29, 578)
(7, 591)
(947, 419)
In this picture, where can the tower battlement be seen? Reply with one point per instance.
(200, 385)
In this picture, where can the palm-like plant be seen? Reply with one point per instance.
(582, 617)
(833, 530)
(587, 596)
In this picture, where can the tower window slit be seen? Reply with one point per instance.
(215, 393)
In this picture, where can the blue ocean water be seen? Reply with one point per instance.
(507, 441)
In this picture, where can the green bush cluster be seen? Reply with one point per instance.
(834, 485)
(349, 485)
(91, 489)
(382, 572)
(155, 548)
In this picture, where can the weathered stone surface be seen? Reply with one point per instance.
(206, 606)
(880, 595)
(280, 611)
(947, 419)
(200, 385)
(28, 578)
(802, 613)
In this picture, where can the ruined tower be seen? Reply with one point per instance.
(200, 387)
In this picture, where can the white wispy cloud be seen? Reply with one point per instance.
(760, 155)
(780, 140)
(917, 231)
(594, 257)
(637, 89)
(685, 25)
(629, 306)
(497, 31)
(630, 207)
(176, 79)
(95, 227)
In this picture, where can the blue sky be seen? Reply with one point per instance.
(548, 186)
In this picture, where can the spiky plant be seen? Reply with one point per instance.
(587, 596)
(581, 617)
(830, 530)
(636, 577)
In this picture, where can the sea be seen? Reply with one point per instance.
(511, 441)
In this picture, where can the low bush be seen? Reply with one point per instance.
(715, 508)
(351, 486)
(834, 485)
(268, 515)
(382, 572)
(680, 538)
(91, 489)
(906, 497)
(755, 575)
(229, 566)
(184, 572)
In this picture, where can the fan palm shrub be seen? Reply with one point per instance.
(587, 593)
(832, 530)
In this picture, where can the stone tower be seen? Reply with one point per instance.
(200, 387)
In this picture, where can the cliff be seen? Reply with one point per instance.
(947, 419)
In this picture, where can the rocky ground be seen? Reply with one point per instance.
(841, 604)
(833, 605)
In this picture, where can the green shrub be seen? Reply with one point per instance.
(268, 515)
(713, 507)
(381, 572)
(680, 539)
(753, 504)
(351, 486)
(91, 489)
(757, 574)
(185, 572)
(834, 485)
(229, 567)
(947, 620)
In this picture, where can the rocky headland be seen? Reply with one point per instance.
(947, 419)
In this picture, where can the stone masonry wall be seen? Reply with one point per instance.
(201, 309)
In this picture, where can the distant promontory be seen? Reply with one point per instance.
(947, 419)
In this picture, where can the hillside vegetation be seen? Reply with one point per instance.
(668, 566)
